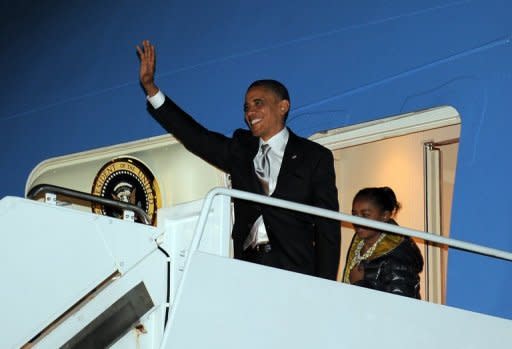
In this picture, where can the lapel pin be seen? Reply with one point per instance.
(294, 156)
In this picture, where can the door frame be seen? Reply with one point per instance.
(390, 127)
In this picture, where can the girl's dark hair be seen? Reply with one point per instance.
(382, 197)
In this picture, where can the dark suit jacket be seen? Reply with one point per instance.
(300, 242)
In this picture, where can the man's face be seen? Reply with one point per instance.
(264, 112)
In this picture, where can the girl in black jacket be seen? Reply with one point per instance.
(379, 260)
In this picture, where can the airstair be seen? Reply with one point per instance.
(74, 279)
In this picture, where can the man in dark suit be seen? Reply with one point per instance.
(269, 159)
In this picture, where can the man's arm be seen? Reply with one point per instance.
(210, 146)
(327, 234)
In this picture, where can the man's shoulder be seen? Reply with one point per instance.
(245, 138)
(308, 144)
(241, 133)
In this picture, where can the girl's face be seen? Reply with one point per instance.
(367, 209)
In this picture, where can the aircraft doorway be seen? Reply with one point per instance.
(415, 155)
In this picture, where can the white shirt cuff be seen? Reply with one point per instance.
(157, 100)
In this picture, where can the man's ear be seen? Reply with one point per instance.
(284, 106)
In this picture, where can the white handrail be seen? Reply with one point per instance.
(262, 199)
(340, 217)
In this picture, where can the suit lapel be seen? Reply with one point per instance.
(292, 159)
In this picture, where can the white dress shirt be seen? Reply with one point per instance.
(157, 100)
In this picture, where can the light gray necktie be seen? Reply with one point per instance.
(262, 167)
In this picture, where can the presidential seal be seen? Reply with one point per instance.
(128, 180)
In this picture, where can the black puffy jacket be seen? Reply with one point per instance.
(394, 267)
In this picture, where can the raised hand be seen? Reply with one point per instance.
(147, 67)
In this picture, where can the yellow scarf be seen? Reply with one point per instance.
(388, 244)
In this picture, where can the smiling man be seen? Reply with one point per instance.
(269, 160)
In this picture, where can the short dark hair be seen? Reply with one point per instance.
(383, 197)
(276, 87)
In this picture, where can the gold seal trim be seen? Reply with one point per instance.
(129, 180)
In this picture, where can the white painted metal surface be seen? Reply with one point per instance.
(231, 304)
(206, 275)
(52, 256)
(179, 223)
(152, 271)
